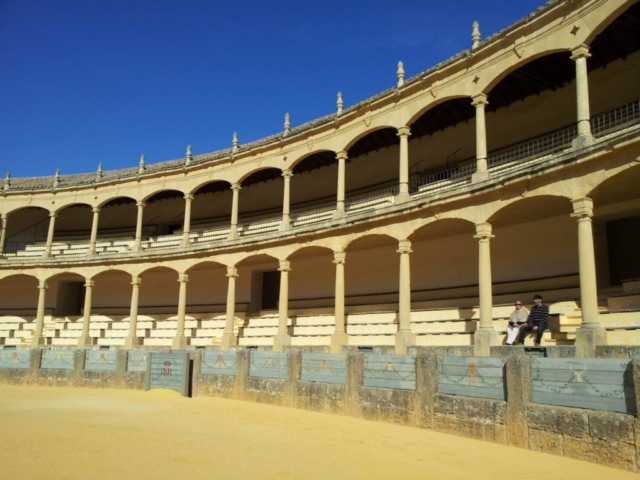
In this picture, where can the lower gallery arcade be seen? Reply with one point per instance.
(428, 277)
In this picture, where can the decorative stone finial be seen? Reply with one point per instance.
(141, 166)
(56, 179)
(188, 156)
(475, 36)
(340, 103)
(235, 143)
(287, 124)
(7, 182)
(99, 172)
(400, 74)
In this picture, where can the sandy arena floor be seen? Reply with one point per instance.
(64, 433)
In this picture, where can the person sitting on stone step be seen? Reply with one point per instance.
(537, 321)
(518, 319)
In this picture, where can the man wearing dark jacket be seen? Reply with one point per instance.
(537, 321)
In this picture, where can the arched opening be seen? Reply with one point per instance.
(312, 278)
(18, 303)
(116, 225)
(616, 224)
(26, 232)
(64, 306)
(163, 217)
(211, 212)
(158, 305)
(260, 202)
(72, 230)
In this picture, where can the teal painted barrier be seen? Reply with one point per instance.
(390, 371)
(481, 377)
(137, 361)
(324, 367)
(15, 358)
(268, 365)
(58, 359)
(219, 363)
(101, 360)
(170, 371)
(598, 383)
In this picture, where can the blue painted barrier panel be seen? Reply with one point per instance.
(102, 360)
(390, 371)
(58, 359)
(268, 364)
(598, 383)
(137, 361)
(481, 377)
(219, 363)
(169, 370)
(15, 358)
(324, 367)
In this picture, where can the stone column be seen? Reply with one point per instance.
(282, 338)
(403, 193)
(3, 231)
(132, 338)
(186, 227)
(286, 220)
(404, 338)
(482, 171)
(580, 55)
(52, 227)
(486, 336)
(94, 230)
(233, 232)
(37, 339)
(137, 246)
(229, 339)
(339, 337)
(342, 161)
(85, 339)
(590, 334)
(180, 340)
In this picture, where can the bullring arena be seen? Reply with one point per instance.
(361, 266)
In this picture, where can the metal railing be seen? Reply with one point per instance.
(602, 125)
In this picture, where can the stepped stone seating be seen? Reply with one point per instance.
(16, 329)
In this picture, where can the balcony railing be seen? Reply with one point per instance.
(536, 149)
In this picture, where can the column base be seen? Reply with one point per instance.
(404, 339)
(483, 340)
(228, 340)
(582, 141)
(137, 247)
(402, 197)
(338, 340)
(36, 342)
(179, 342)
(232, 236)
(588, 338)
(480, 176)
(130, 342)
(339, 214)
(285, 225)
(85, 341)
(280, 341)
(185, 243)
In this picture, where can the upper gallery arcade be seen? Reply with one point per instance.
(502, 159)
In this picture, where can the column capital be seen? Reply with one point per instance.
(582, 208)
(42, 285)
(4, 216)
(183, 277)
(232, 272)
(285, 266)
(95, 209)
(236, 187)
(581, 51)
(188, 197)
(287, 173)
(404, 247)
(483, 232)
(342, 155)
(89, 283)
(53, 214)
(339, 258)
(141, 204)
(136, 280)
(480, 100)
(404, 132)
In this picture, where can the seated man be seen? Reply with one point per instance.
(537, 321)
(518, 319)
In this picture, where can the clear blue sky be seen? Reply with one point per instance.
(90, 81)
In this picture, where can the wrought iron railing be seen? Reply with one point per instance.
(615, 120)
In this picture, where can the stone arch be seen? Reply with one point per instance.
(150, 196)
(57, 273)
(71, 204)
(422, 109)
(305, 249)
(618, 187)
(364, 134)
(307, 156)
(114, 200)
(149, 268)
(263, 178)
(259, 256)
(532, 208)
(366, 239)
(25, 227)
(608, 20)
(25, 207)
(202, 186)
(200, 262)
(10, 275)
(442, 228)
(19, 295)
